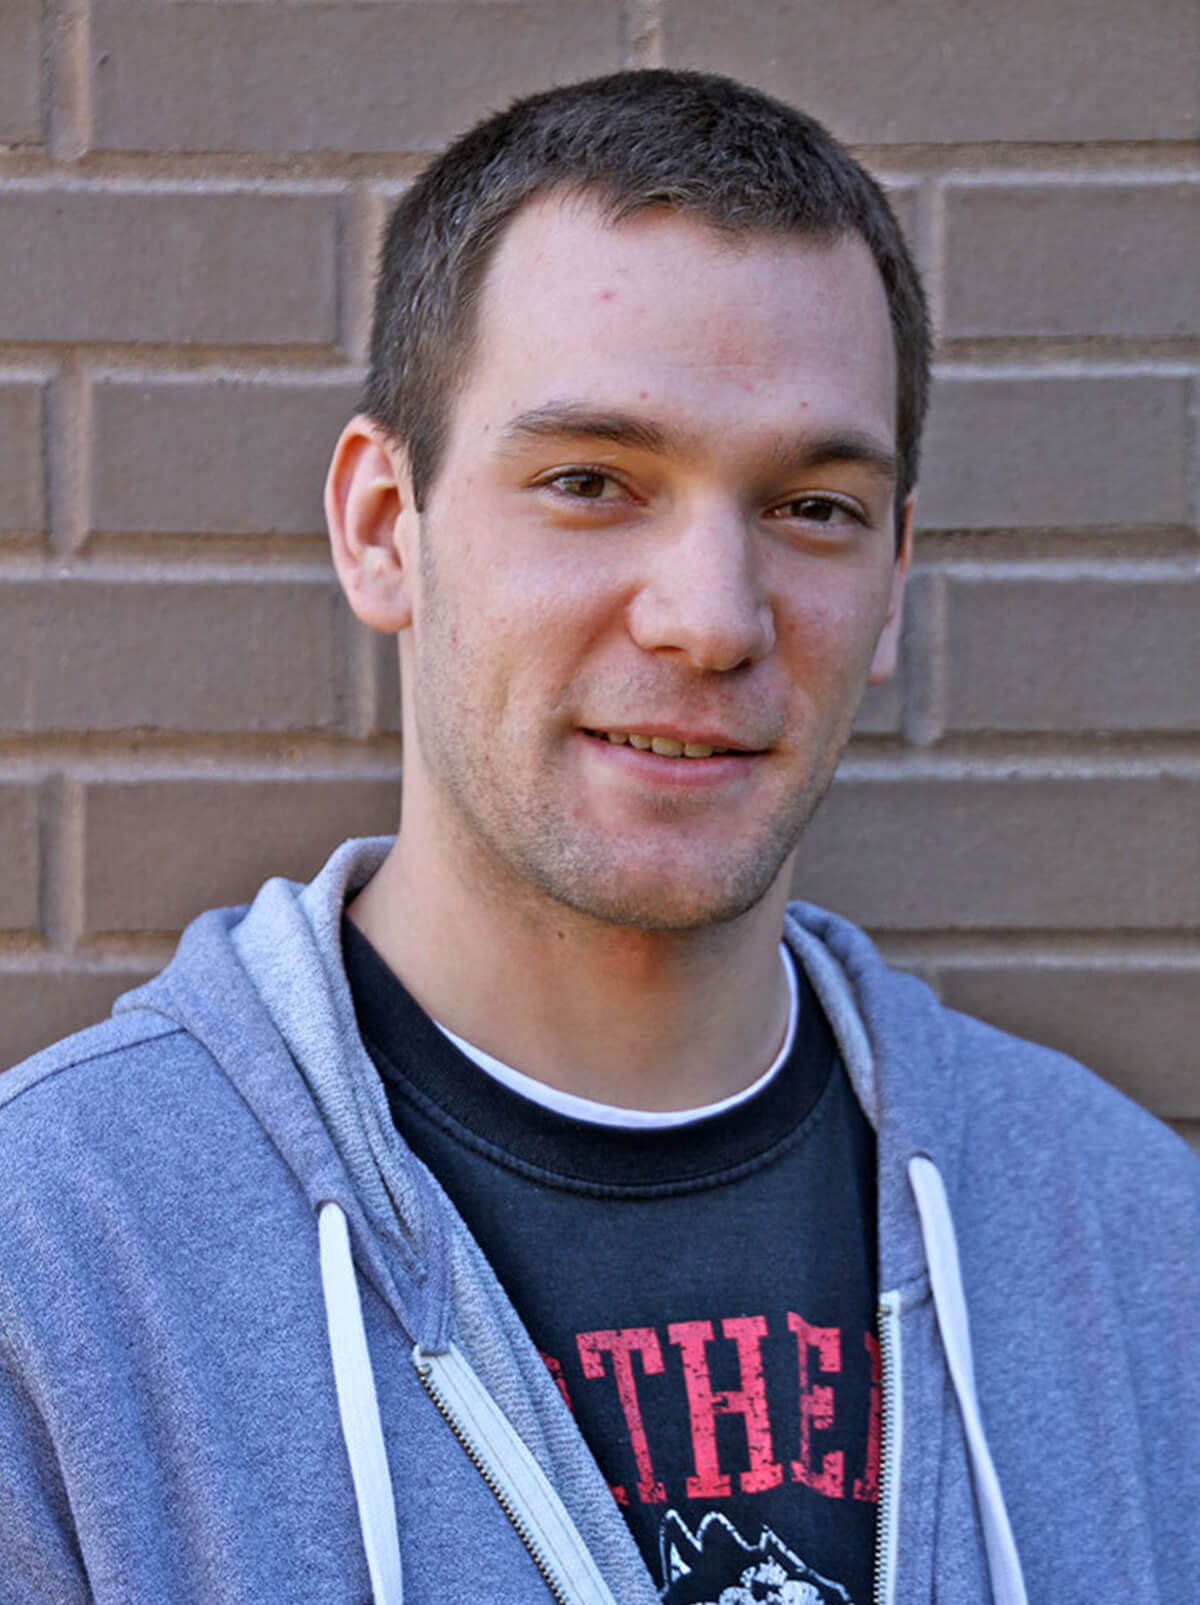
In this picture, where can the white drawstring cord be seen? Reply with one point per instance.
(945, 1276)
(359, 1408)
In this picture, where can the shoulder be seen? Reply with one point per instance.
(123, 1102)
(956, 1086)
(135, 1045)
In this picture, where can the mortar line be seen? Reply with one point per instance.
(61, 874)
(643, 33)
(69, 407)
(925, 663)
(1194, 452)
(66, 79)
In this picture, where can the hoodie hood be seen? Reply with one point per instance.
(263, 989)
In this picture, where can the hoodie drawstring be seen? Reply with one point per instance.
(359, 1408)
(945, 1277)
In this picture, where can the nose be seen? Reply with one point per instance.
(704, 596)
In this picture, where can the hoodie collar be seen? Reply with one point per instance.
(264, 989)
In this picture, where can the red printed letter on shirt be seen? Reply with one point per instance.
(867, 1486)
(816, 1406)
(748, 1401)
(622, 1344)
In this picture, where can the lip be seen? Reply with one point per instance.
(674, 774)
(687, 737)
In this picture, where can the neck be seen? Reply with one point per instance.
(641, 1019)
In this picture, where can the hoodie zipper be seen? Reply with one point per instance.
(891, 1439)
(457, 1394)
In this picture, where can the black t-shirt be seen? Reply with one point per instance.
(703, 1296)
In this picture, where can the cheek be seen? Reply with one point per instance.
(829, 634)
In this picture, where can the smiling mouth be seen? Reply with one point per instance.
(667, 746)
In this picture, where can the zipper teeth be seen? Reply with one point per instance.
(501, 1498)
(887, 1373)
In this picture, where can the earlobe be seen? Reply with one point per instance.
(368, 508)
(887, 648)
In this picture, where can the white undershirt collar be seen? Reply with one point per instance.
(608, 1114)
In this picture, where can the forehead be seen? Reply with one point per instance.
(664, 312)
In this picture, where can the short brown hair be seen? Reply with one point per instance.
(699, 143)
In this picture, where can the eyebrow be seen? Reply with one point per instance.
(572, 419)
(846, 446)
(559, 418)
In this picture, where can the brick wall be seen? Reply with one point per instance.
(189, 196)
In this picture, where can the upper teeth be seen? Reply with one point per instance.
(664, 746)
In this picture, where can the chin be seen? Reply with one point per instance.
(659, 902)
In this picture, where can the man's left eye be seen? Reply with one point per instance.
(818, 510)
(584, 484)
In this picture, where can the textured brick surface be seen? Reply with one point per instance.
(931, 72)
(1138, 1027)
(192, 655)
(262, 77)
(882, 709)
(1021, 853)
(903, 197)
(1189, 1130)
(159, 852)
(21, 856)
(20, 72)
(22, 456)
(1114, 259)
(215, 456)
(1073, 652)
(1071, 453)
(230, 267)
(38, 1007)
(387, 674)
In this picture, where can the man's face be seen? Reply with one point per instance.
(664, 515)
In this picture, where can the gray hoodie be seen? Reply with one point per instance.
(248, 1352)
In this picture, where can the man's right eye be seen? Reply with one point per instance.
(585, 484)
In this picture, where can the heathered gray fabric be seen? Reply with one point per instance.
(168, 1422)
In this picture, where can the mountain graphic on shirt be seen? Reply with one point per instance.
(716, 1566)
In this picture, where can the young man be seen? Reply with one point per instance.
(535, 1204)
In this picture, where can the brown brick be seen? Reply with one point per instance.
(20, 853)
(1065, 453)
(1138, 1026)
(158, 852)
(265, 77)
(221, 268)
(21, 73)
(882, 709)
(1072, 652)
(40, 1006)
(232, 655)
(1025, 852)
(387, 672)
(214, 456)
(879, 72)
(1189, 1130)
(903, 198)
(22, 456)
(1072, 259)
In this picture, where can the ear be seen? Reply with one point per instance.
(887, 648)
(372, 525)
